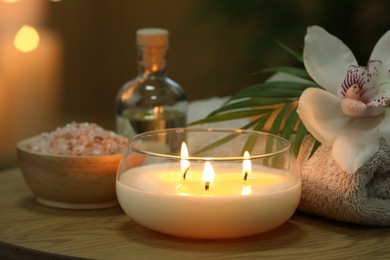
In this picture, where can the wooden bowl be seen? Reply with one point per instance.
(71, 182)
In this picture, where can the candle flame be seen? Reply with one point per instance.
(208, 175)
(184, 164)
(26, 39)
(246, 165)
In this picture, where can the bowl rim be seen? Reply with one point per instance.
(286, 148)
(21, 145)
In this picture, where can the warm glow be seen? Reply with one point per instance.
(246, 190)
(246, 165)
(158, 111)
(184, 164)
(10, 1)
(208, 175)
(26, 39)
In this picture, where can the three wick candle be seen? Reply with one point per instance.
(207, 197)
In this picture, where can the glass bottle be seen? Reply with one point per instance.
(152, 100)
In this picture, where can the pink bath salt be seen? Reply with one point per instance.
(81, 139)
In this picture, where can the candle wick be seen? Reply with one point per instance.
(185, 172)
(245, 175)
(207, 185)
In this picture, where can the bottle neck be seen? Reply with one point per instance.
(151, 60)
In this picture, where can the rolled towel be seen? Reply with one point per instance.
(362, 197)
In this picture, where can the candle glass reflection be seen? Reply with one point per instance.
(208, 183)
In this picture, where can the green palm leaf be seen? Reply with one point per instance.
(232, 115)
(278, 119)
(249, 103)
(271, 105)
(315, 146)
(291, 122)
(274, 89)
(298, 56)
(298, 72)
(260, 123)
(300, 135)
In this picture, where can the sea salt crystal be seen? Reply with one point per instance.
(82, 139)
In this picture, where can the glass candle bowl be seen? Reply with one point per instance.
(208, 183)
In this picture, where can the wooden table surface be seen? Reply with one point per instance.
(31, 231)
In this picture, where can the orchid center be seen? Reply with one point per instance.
(353, 92)
(364, 91)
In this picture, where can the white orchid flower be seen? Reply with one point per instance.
(352, 116)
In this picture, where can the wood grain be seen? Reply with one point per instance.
(29, 230)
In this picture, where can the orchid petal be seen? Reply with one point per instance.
(378, 90)
(356, 108)
(326, 58)
(320, 112)
(357, 143)
(381, 50)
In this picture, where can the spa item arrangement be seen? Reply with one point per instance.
(316, 139)
(336, 114)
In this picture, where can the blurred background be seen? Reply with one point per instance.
(63, 61)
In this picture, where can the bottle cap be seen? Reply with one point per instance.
(152, 37)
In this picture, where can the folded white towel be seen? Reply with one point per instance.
(362, 197)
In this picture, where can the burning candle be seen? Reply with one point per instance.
(184, 163)
(207, 197)
(208, 176)
(246, 166)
